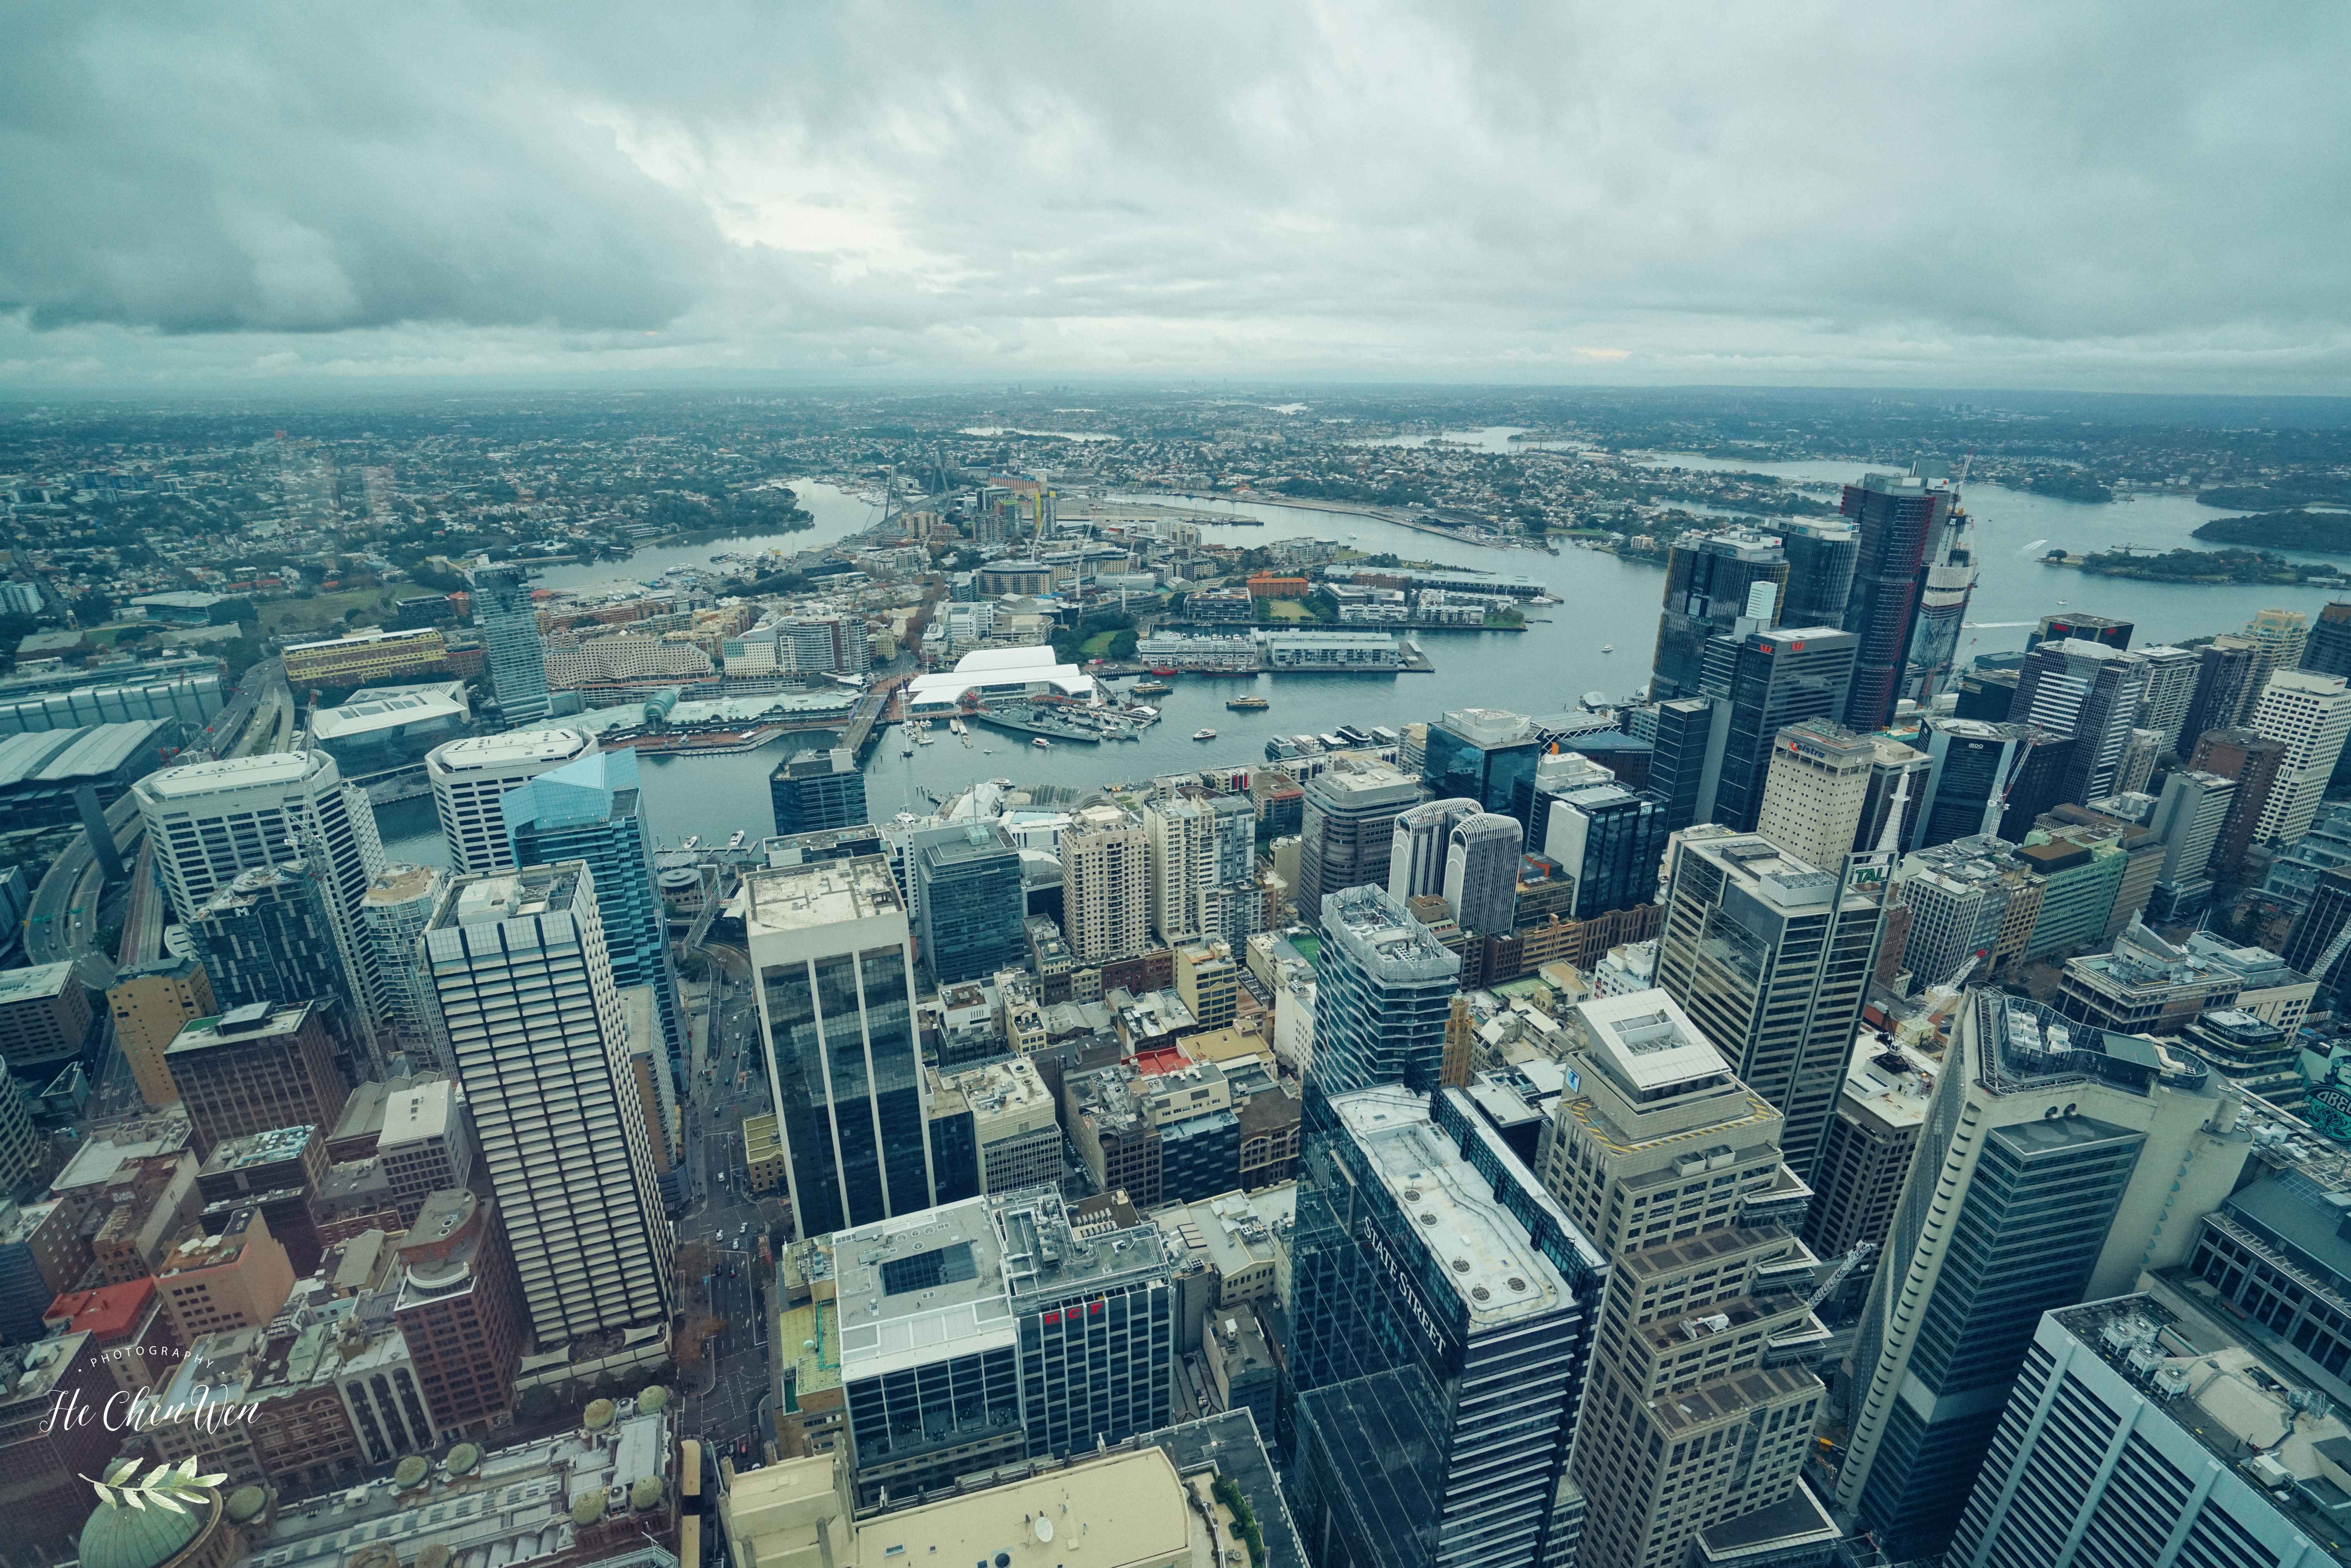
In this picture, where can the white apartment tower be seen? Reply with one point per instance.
(2310, 713)
(393, 913)
(1105, 884)
(469, 776)
(2170, 685)
(525, 998)
(1183, 848)
(1815, 791)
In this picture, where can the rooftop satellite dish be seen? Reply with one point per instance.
(1044, 1528)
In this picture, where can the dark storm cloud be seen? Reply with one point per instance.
(2021, 191)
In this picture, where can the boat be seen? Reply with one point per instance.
(1041, 741)
(735, 842)
(1248, 705)
(1204, 734)
(1163, 670)
(1607, 647)
(1149, 689)
(693, 841)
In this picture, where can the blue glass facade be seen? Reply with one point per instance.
(591, 811)
(973, 910)
(513, 652)
(817, 790)
(1499, 778)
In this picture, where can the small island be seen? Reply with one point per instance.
(2064, 485)
(2327, 533)
(2199, 566)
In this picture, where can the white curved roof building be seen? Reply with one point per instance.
(998, 672)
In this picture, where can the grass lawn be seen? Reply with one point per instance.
(1286, 609)
(1096, 646)
(322, 613)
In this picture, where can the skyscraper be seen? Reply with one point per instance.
(2316, 927)
(2310, 714)
(2100, 629)
(2226, 686)
(269, 937)
(592, 810)
(524, 992)
(1970, 895)
(1899, 519)
(1771, 680)
(2189, 819)
(210, 820)
(1609, 839)
(830, 945)
(1481, 872)
(1347, 824)
(1693, 1415)
(2055, 1163)
(813, 791)
(2278, 637)
(1821, 554)
(1442, 1309)
(253, 1069)
(1423, 833)
(513, 652)
(1182, 831)
(1815, 791)
(1481, 754)
(1771, 956)
(2255, 761)
(1972, 763)
(393, 913)
(1686, 765)
(1945, 587)
(2092, 693)
(973, 906)
(1708, 577)
(1105, 884)
(2170, 687)
(2327, 651)
(470, 777)
(1898, 776)
(1383, 987)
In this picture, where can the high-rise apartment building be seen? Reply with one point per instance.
(523, 988)
(2310, 716)
(1822, 555)
(152, 1003)
(1442, 1311)
(1383, 991)
(2092, 693)
(253, 1069)
(1424, 834)
(2278, 637)
(394, 911)
(2171, 688)
(2228, 680)
(2255, 761)
(1769, 680)
(2137, 1434)
(1697, 1412)
(514, 654)
(592, 810)
(210, 820)
(2189, 818)
(1105, 884)
(470, 777)
(1182, 833)
(2055, 1163)
(1771, 957)
(813, 791)
(830, 943)
(1899, 519)
(1347, 826)
(1481, 872)
(1815, 794)
(269, 936)
(1709, 579)
(972, 903)
(1972, 764)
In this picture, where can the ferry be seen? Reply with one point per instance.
(1248, 705)
(1204, 734)
(1040, 742)
(1150, 689)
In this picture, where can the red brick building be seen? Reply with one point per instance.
(457, 1312)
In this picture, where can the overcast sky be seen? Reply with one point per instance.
(2129, 196)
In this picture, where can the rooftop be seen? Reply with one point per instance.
(1125, 1507)
(1382, 938)
(260, 1148)
(1767, 872)
(517, 747)
(36, 984)
(401, 884)
(792, 898)
(1891, 1082)
(384, 712)
(266, 769)
(1649, 1042)
(412, 1115)
(260, 1020)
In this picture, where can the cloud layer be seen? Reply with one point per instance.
(2079, 194)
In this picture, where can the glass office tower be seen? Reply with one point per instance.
(1484, 755)
(513, 652)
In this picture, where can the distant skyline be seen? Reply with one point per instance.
(2079, 196)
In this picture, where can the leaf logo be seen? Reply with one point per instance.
(168, 1487)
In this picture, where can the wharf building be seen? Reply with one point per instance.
(2055, 1162)
(1771, 958)
(831, 949)
(523, 989)
(1698, 1411)
(992, 1331)
(470, 777)
(1442, 1313)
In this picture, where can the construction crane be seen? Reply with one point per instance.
(2333, 955)
(1996, 806)
(1837, 1275)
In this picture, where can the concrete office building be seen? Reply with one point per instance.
(393, 913)
(514, 654)
(1105, 884)
(1382, 992)
(1899, 520)
(1771, 957)
(1441, 1316)
(2310, 716)
(995, 1330)
(1347, 829)
(813, 791)
(2253, 761)
(1969, 896)
(1710, 579)
(209, 822)
(973, 906)
(45, 1016)
(470, 777)
(1815, 791)
(830, 946)
(2091, 693)
(2170, 687)
(1673, 1167)
(253, 1069)
(1867, 1152)
(456, 1313)
(2189, 819)
(1481, 872)
(524, 992)
(1423, 833)
(152, 1003)
(2055, 1162)
(2141, 1434)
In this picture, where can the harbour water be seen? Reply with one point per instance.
(1544, 669)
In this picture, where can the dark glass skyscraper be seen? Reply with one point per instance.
(1773, 679)
(1972, 762)
(972, 909)
(814, 791)
(1708, 577)
(1679, 764)
(269, 937)
(1483, 754)
(1821, 554)
(512, 649)
(1898, 519)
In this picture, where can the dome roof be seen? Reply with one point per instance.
(119, 1537)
